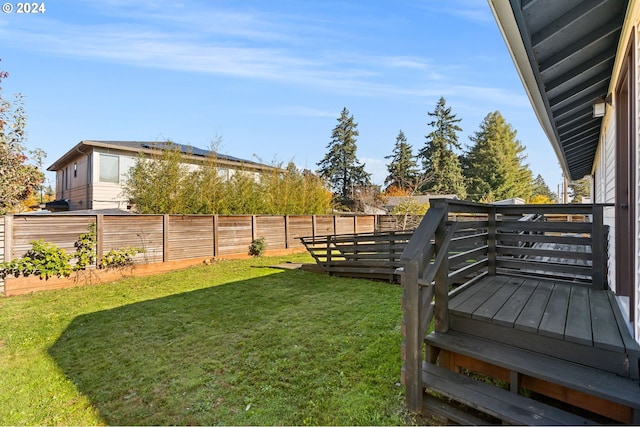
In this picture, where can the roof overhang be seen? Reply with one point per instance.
(564, 52)
(189, 153)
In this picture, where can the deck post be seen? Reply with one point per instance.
(441, 310)
(412, 340)
(598, 249)
(491, 240)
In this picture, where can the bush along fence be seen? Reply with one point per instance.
(156, 243)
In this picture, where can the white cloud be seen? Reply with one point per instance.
(377, 168)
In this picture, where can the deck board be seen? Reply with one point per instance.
(510, 311)
(555, 316)
(485, 291)
(572, 314)
(578, 326)
(495, 302)
(529, 318)
(602, 321)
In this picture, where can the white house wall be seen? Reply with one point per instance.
(605, 167)
(108, 195)
(636, 89)
(604, 181)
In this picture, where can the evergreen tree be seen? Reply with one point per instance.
(580, 189)
(494, 165)
(340, 166)
(442, 170)
(541, 191)
(403, 168)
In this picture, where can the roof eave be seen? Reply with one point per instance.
(525, 67)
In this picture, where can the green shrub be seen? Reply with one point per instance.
(257, 247)
(86, 249)
(43, 259)
(117, 258)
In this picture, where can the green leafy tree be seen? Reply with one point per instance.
(441, 166)
(541, 191)
(340, 166)
(156, 183)
(403, 168)
(494, 165)
(294, 192)
(579, 189)
(18, 179)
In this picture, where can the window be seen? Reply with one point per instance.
(75, 170)
(109, 168)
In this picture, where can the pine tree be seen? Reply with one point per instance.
(340, 166)
(403, 168)
(580, 189)
(441, 165)
(541, 191)
(494, 165)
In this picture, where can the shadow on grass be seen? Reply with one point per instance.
(290, 348)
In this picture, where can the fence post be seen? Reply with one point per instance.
(313, 227)
(8, 238)
(441, 309)
(99, 238)
(254, 226)
(215, 236)
(286, 231)
(412, 341)
(165, 238)
(2, 249)
(598, 249)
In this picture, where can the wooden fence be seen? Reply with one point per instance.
(177, 239)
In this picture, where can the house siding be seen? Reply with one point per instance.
(636, 89)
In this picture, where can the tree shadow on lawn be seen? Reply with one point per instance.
(285, 349)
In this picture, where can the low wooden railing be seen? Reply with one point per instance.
(459, 242)
(371, 255)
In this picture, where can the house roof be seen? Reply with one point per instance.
(150, 147)
(564, 52)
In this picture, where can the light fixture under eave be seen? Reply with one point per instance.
(599, 108)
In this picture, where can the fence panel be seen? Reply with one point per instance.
(139, 231)
(345, 225)
(299, 226)
(365, 224)
(190, 236)
(272, 228)
(324, 225)
(235, 234)
(62, 231)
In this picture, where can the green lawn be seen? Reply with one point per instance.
(235, 342)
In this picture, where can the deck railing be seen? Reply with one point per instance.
(372, 255)
(458, 242)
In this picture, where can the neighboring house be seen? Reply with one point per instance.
(580, 65)
(91, 175)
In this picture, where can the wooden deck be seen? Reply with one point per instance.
(509, 312)
(566, 342)
(557, 319)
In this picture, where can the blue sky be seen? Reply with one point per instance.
(269, 77)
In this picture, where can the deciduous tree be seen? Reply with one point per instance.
(18, 179)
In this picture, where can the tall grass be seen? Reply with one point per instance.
(236, 342)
